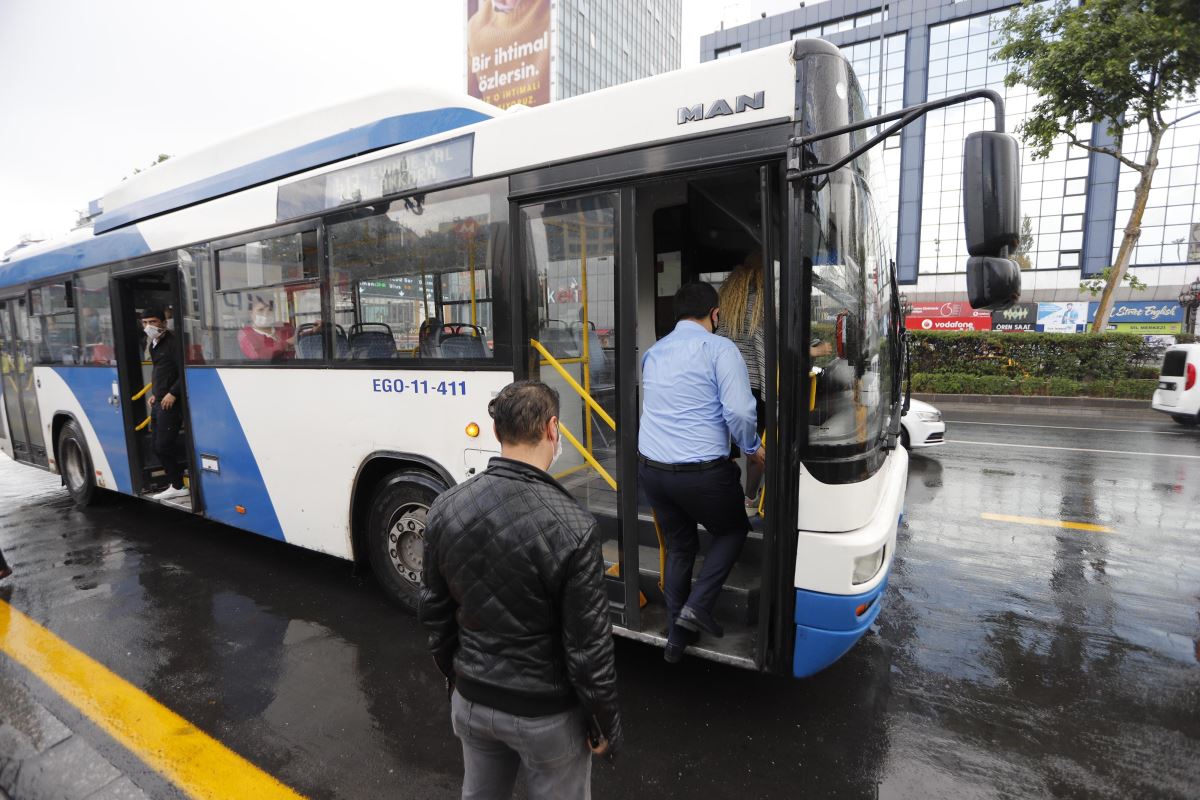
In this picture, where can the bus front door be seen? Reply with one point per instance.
(571, 250)
(17, 353)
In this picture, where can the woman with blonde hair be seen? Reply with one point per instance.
(741, 319)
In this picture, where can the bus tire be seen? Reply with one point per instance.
(75, 465)
(396, 533)
(1187, 421)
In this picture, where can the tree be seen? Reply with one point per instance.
(1117, 63)
(1025, 244)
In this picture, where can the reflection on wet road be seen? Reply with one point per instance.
(1011, 659)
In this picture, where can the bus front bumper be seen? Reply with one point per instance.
(828, 625)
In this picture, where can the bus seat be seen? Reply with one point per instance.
(372, 340)
(341, 342)
(463, 345)
(430, 338)
(310, 344)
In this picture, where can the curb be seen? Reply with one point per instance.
(1050, 406)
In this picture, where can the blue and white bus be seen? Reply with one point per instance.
(349, 289)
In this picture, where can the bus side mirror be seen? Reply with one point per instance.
(991, 193)
(993, 284)
(991, 215)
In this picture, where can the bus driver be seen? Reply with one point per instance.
(696, 396)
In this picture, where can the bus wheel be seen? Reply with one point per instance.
(75, 464)
(396, 533)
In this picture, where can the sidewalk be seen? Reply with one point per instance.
(1108, 407)
(41, 758)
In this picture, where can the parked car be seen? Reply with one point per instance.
(922, 426)
(1178, 392)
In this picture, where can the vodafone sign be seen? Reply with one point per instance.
(951, 316)
(949, 323)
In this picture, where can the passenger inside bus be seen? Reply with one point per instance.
(263, 338)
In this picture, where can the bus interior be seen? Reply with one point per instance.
(695, 227)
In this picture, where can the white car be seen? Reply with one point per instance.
(922, 426)
(1178, 392)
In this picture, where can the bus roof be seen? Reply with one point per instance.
(153, 210)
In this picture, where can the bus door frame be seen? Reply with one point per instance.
(18, 347)
(129, 374)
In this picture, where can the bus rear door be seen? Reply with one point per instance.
(20, 392)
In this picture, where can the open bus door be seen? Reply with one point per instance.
(134, 292)
(27, 440)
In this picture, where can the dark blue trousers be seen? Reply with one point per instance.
(713, 498)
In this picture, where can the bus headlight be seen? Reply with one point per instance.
(867, 567)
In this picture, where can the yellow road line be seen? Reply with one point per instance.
(195, 762)
(1047, 523)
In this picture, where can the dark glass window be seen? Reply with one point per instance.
(265, 298)
(414, 278)
(53, 326)
(95, 318)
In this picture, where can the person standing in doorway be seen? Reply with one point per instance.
(514, 601)
(166, 400)
(696, 396)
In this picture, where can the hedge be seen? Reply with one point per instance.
(1061, 365)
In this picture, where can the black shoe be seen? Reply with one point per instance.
(674, 653)
(694, 619)
(678, 640)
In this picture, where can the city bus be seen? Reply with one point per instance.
(349, 288)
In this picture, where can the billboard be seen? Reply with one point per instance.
(508, 51)
(1061, 317)
(950, 316)
(1140, 311)
(1021, 317)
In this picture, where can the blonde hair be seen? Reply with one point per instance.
(735, 293)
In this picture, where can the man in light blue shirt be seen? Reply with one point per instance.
(695, 397)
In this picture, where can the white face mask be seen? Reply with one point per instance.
(557, 450)
(153, 332)
(262, 320)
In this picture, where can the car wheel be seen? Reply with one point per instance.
(904, 440)
(396, 533)
(1186, 421)
(75, 465)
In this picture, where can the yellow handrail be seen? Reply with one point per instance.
(588, 457)
(143, 424)
(587, 397)
(142, 393)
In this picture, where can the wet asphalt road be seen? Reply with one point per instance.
(1010, 660)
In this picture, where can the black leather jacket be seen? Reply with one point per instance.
(514, 597)
(167, 376)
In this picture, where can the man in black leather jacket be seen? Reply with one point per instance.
(517, 614)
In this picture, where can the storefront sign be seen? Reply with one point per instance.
(982, 323)
(946, 310)
(1147, 327)
(1021, 317)
(1140, 311)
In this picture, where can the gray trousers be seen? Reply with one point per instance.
(552, 750)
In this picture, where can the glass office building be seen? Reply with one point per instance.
(599, 43)
(1074, 204)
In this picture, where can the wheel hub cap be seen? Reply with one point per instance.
(406, 542)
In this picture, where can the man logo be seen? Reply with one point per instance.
(927, 323)
(720, 108)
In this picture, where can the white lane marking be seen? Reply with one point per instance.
(1068, 427)
(1073, 449)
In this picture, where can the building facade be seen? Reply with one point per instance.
(1074, 204)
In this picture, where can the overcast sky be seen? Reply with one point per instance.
(92, 89)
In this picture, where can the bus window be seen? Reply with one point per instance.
(414, 279)
(53, 306)
(264, 301)
(95, 318)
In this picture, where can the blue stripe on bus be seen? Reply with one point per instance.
(347, 144)
(114, 246)
(827, 626)
(216, 431)
(92, 387)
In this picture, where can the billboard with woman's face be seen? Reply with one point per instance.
(508, 51)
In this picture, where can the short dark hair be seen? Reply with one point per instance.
(695, 300)
(155, 312)
(521, 411)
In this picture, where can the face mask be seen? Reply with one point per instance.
(262, 320)
(153, 332)
(557, 449)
